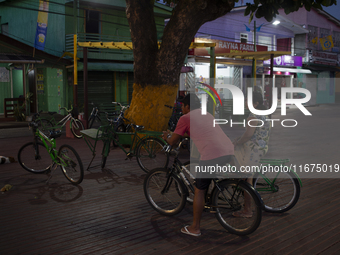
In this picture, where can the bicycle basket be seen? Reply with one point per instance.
(125, 138)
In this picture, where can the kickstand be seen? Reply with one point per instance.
(54, 167)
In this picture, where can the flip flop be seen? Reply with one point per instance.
(240, 214)
(186, 231)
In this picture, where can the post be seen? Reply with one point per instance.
(85, 86)
(254, 60)
(75, 71)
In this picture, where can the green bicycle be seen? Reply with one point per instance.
(35, 157)
(146, 146)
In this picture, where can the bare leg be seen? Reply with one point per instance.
(198, 207)
(247, 198)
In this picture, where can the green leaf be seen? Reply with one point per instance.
(247, 11)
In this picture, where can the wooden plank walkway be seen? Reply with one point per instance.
(108, 214)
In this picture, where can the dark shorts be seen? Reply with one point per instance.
(203, 183)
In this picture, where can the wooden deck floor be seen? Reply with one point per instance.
(108, 214)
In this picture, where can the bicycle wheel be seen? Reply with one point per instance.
(151, 154)
(76, 127)
(71, 164)
(45, 126)
(231, 198)
(279, 192)
(172, 200)
(105, 151)
(34, 158)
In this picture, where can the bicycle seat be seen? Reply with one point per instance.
(51, 113)
(138, 128)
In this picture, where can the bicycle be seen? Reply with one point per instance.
(149, 150)
(167, 191)
(46, 125)
(280, 191)
(94, 116)
(35, 157)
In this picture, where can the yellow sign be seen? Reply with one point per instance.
(326, 42)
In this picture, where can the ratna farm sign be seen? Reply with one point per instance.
(225, 47)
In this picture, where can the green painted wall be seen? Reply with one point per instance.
(55, 89)
(5, 86)
(18, 88)
(41, 90)
(121, 88)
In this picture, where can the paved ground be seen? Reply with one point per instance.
(108, 214)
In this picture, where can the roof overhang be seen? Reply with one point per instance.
(19, 59)
(292, 26)
(258, 55)
(16, 52)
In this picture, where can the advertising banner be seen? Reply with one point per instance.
(225, 47)
(40, 35)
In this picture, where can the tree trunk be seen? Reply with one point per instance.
(157, 69)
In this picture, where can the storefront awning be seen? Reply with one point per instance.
(291, 70)
(258, 55)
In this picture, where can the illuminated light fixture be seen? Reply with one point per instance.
(279, 72)
(276, 22)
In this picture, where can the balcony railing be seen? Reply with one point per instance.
(86, 37)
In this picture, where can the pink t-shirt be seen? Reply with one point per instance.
(210, 141)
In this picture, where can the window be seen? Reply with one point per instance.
(244, 38)
(336, 39)
(265, 41)
(92, 22)
(4, 29)
(313, 40)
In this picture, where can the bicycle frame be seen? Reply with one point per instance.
(271, 184)
(178, 168)
(52, 151)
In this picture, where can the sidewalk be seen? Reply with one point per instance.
(108, 213)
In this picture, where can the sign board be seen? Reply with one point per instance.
(323, 58)
(225, 47)
(285, 60)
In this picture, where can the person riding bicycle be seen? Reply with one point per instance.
(213, 145)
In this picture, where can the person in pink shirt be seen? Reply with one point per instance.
(213, 145)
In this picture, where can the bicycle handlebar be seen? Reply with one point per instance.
(67, 109)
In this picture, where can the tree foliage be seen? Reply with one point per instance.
(269, 8)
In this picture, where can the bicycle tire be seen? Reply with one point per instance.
(45, 126)
(233, 191)
(76, 127)
(71, 164)
(33, 162)
(173, 200)
(285, 195)
(150, 154)
(106, 147)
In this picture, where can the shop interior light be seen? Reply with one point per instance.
(276, 22)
